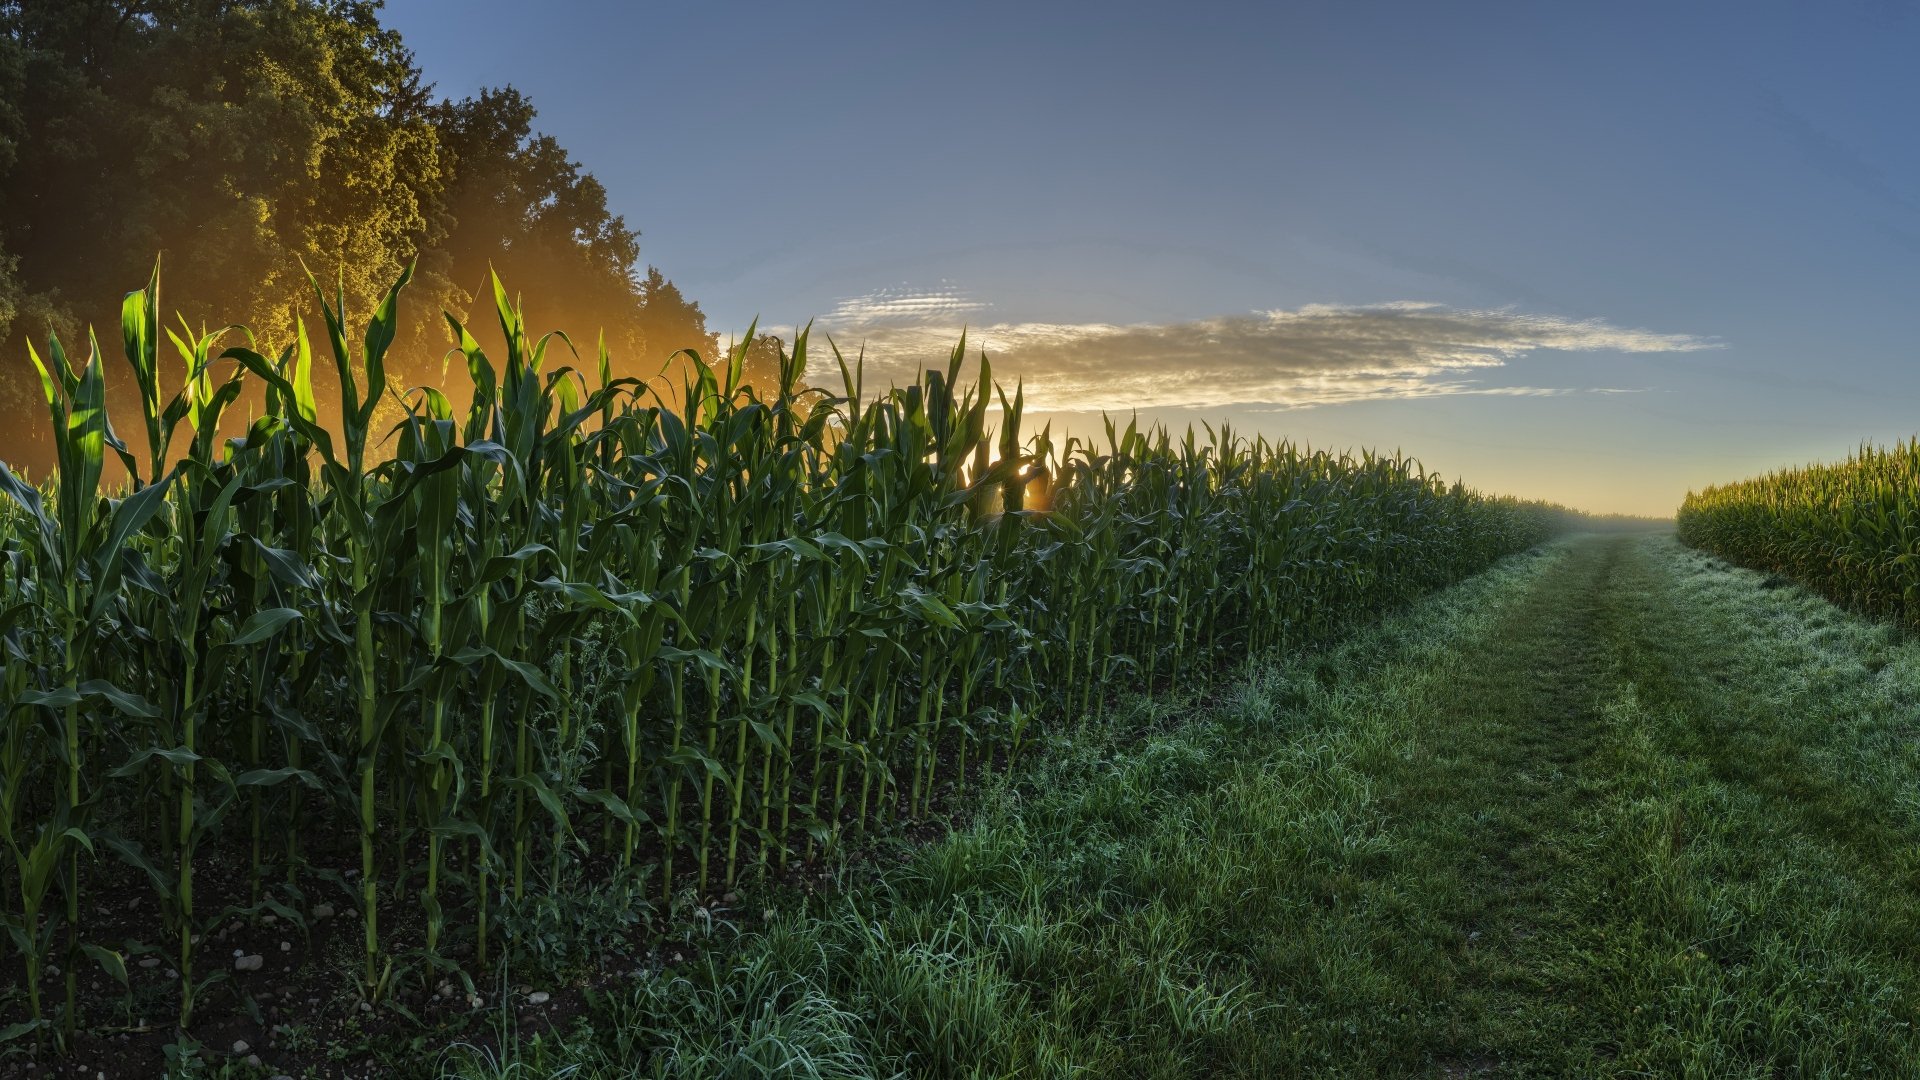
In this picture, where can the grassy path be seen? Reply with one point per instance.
(1612, 809)
(1672, 810)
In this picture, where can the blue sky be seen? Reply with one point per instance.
(1601, 253)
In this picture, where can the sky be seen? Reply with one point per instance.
(1597, 253)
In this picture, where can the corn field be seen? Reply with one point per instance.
(589, 625)
(1850, 531)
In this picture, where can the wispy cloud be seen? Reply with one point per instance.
(1320, 354)
(904, 303)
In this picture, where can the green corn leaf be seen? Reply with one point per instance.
(110, 962)
(525, 672)
(549, 801)
(22, 1029)
(616, 806)
(275, 777)
(689, 758)
(130, 853)
(262, 625)
(176, 756)
(126, 702)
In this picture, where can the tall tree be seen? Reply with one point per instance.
(308, 139)
(518, 203)
(238, 138)
(13, 128)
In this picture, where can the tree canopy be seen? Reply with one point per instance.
(237, 139)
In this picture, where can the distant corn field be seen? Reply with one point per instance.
(583, 627)
(1850, 531)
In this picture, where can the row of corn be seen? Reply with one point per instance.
(589, 625)
(1850, 531)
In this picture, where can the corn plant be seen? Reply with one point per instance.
(554, 619)
(1850, 531)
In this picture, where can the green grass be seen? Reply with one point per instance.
(1615, 809)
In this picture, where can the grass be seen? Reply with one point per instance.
(1614, 809)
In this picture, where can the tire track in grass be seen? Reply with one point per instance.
(1700, 862)
(1767, 861)
(1491, 799)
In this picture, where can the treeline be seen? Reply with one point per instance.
(239, 137)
